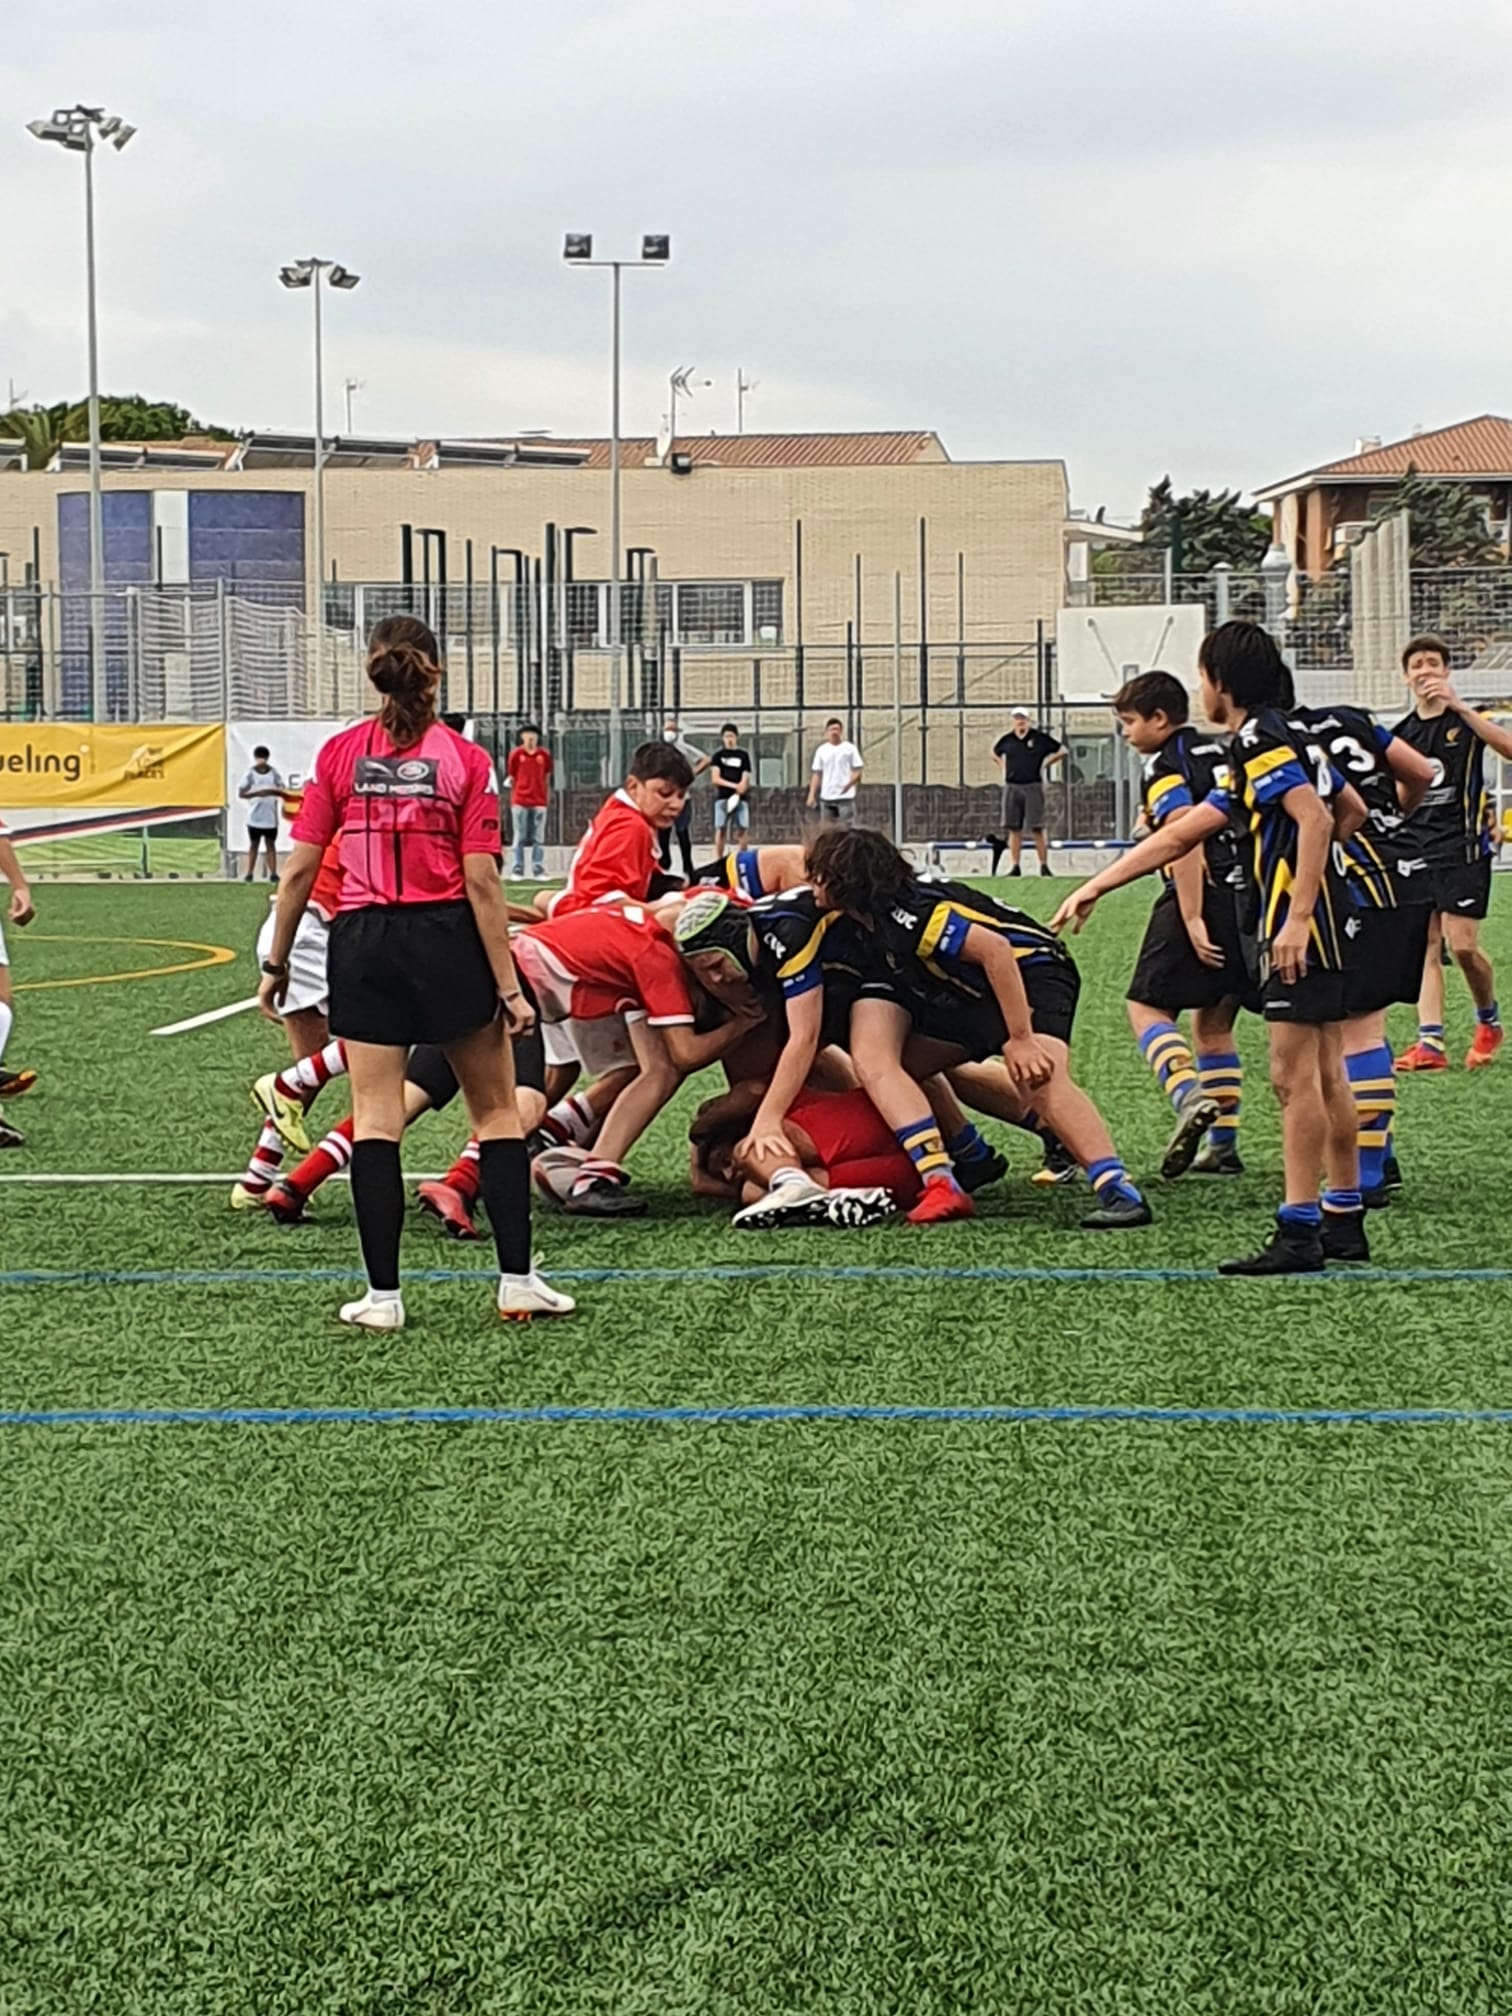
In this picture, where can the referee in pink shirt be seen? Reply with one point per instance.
(419, 953)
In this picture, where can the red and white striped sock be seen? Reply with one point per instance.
(327, 1159)
(571, 1123)
(304, 1079)
(596, 1171)
(267, 1160)
(463, 1174)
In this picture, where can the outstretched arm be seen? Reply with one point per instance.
(1176, 837)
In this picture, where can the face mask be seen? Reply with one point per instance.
(669, 734)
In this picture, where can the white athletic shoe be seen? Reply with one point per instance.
(243, 1199)
(370, 1315)
(522, 1296)
(802, 1203)
(860, 1207)
(286, 1114)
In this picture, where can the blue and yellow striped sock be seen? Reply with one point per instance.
(968, 1146)
(1431, 1037)
(925, 1148)
(1169, 1056)
(1222, 1075)
(1373, 1083)
(1110, 1180)
(1489, 1018)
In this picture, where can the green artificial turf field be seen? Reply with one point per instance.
(854, 1710)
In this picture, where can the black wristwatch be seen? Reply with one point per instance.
(273, 970)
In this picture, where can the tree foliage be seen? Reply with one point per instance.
(1446, 522)
(42, 430)
(1202, 530)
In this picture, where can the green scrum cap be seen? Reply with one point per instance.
(713, 922)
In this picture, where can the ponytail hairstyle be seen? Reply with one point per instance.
(404, 663)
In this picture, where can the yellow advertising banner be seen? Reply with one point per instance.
(132, 768)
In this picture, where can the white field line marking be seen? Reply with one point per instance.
(204, 1021)
(37, 1178)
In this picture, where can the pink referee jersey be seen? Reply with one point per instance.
(407, 817)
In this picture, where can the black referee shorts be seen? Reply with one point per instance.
(408, 973)
(1169, 975)
(1384, 960)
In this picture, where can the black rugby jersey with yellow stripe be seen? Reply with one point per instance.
(1454, 824)
(1187, 768)
(921, 934)
(1383, 858)
(798, 944)
(1272, 756)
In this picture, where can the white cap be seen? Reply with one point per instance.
(1021, 714)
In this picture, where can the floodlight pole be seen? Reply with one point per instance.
(320, 527)
(99, 695)
(654, 254)
(616, 640)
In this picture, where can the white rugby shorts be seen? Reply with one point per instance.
(308, 987)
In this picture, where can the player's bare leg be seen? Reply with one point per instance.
(1295, 1245)
(1428, 1052)
(1463, 936)
(879, 1034)
(12, 1083)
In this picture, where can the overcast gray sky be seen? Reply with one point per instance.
(1144, 235)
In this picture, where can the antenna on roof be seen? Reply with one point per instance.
(743, 385)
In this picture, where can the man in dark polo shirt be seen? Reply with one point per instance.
(1023, 755)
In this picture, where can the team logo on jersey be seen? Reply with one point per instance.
(904, 917)
(1451, 736)
(396, 777)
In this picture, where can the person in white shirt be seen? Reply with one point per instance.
(262, 787)
(834, 774)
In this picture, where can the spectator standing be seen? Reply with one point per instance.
(1023, 755)
(529, 771)
(834, 774)
(697, 762)
(732, 770)
(262, 787)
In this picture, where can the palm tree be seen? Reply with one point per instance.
(42, 430)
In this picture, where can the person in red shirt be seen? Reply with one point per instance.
(614, 993)
(419, 953)
(617, 855)
(529, 771)
(841, 1141)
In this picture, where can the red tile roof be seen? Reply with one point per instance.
(773, 451)
(1479, 447)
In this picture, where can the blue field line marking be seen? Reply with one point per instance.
(744, 1416)
(279, 1277)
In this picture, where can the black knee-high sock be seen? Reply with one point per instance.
(504, 1177)
(378, 1197)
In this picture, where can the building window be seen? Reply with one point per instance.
(584, 627)
(711, 612)
(766, 612)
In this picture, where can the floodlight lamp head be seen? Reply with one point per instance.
(656, 249)
(123, 133)
(577, 246)
(340, 277)
(299, 274)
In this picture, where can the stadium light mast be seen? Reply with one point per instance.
(577, 250)
(79, 131)
(309, 273)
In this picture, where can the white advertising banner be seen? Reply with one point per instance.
(292, 747)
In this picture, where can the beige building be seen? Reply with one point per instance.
(763, 571)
